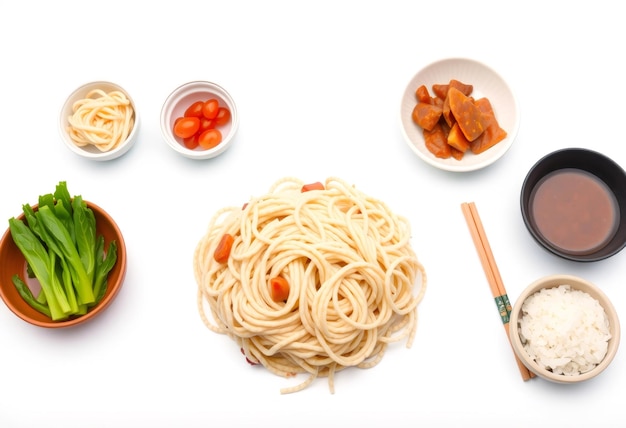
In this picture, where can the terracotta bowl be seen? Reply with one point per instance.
(12, 262)
(575, 283)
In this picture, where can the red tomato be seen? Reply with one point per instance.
(205, 124)
(210, 138)
(210, 108)
(191, 142)
(223, 116)
(187, 126)
(194, 110)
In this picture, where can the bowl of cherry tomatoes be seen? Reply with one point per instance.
(199, 120)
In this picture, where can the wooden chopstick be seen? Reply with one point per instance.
(493, 274)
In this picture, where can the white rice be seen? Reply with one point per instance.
(564, 330)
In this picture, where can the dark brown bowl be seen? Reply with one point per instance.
(12, 262)
(607, 184)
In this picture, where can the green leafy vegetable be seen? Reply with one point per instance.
(63, 251)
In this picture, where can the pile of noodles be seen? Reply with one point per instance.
(355, 282)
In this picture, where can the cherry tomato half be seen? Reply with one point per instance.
(210, 138)
(194, 110)
(223, 116)
(210, 108)
(186, 127)
(191, 142)
(206, 124)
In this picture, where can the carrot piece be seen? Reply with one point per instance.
(467, 114)
(426, 115)
(312, 186)
(279, 289)
(222, 251)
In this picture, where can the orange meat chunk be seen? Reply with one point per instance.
(493, 133)
(456, 154)
(423, 96)
(467, 114)
(463, 87)
(426, 115)
(441, 90)
(437, 141)
(457, 139)
(447, 113)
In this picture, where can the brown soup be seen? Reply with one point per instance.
(574, 210)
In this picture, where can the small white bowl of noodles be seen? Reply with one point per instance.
(99, 121)
(313, 279)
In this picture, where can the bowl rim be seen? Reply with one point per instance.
(115, 153)
(6, 241)
(576, 282)
(188, 88)
(529, 183)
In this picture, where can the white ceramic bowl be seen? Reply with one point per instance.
(575, 283)
(90, 151)
(487, 83)
(180, 99)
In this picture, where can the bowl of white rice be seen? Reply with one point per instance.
(564, 329)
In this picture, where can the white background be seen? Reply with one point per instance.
(318, 88)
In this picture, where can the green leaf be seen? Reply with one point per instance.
(46, 200)
(38, 259)
(61, 237)
(27, 295)
(64, 276)
(63, 211)
(103, 266)
(85, 236)
(62, 194)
